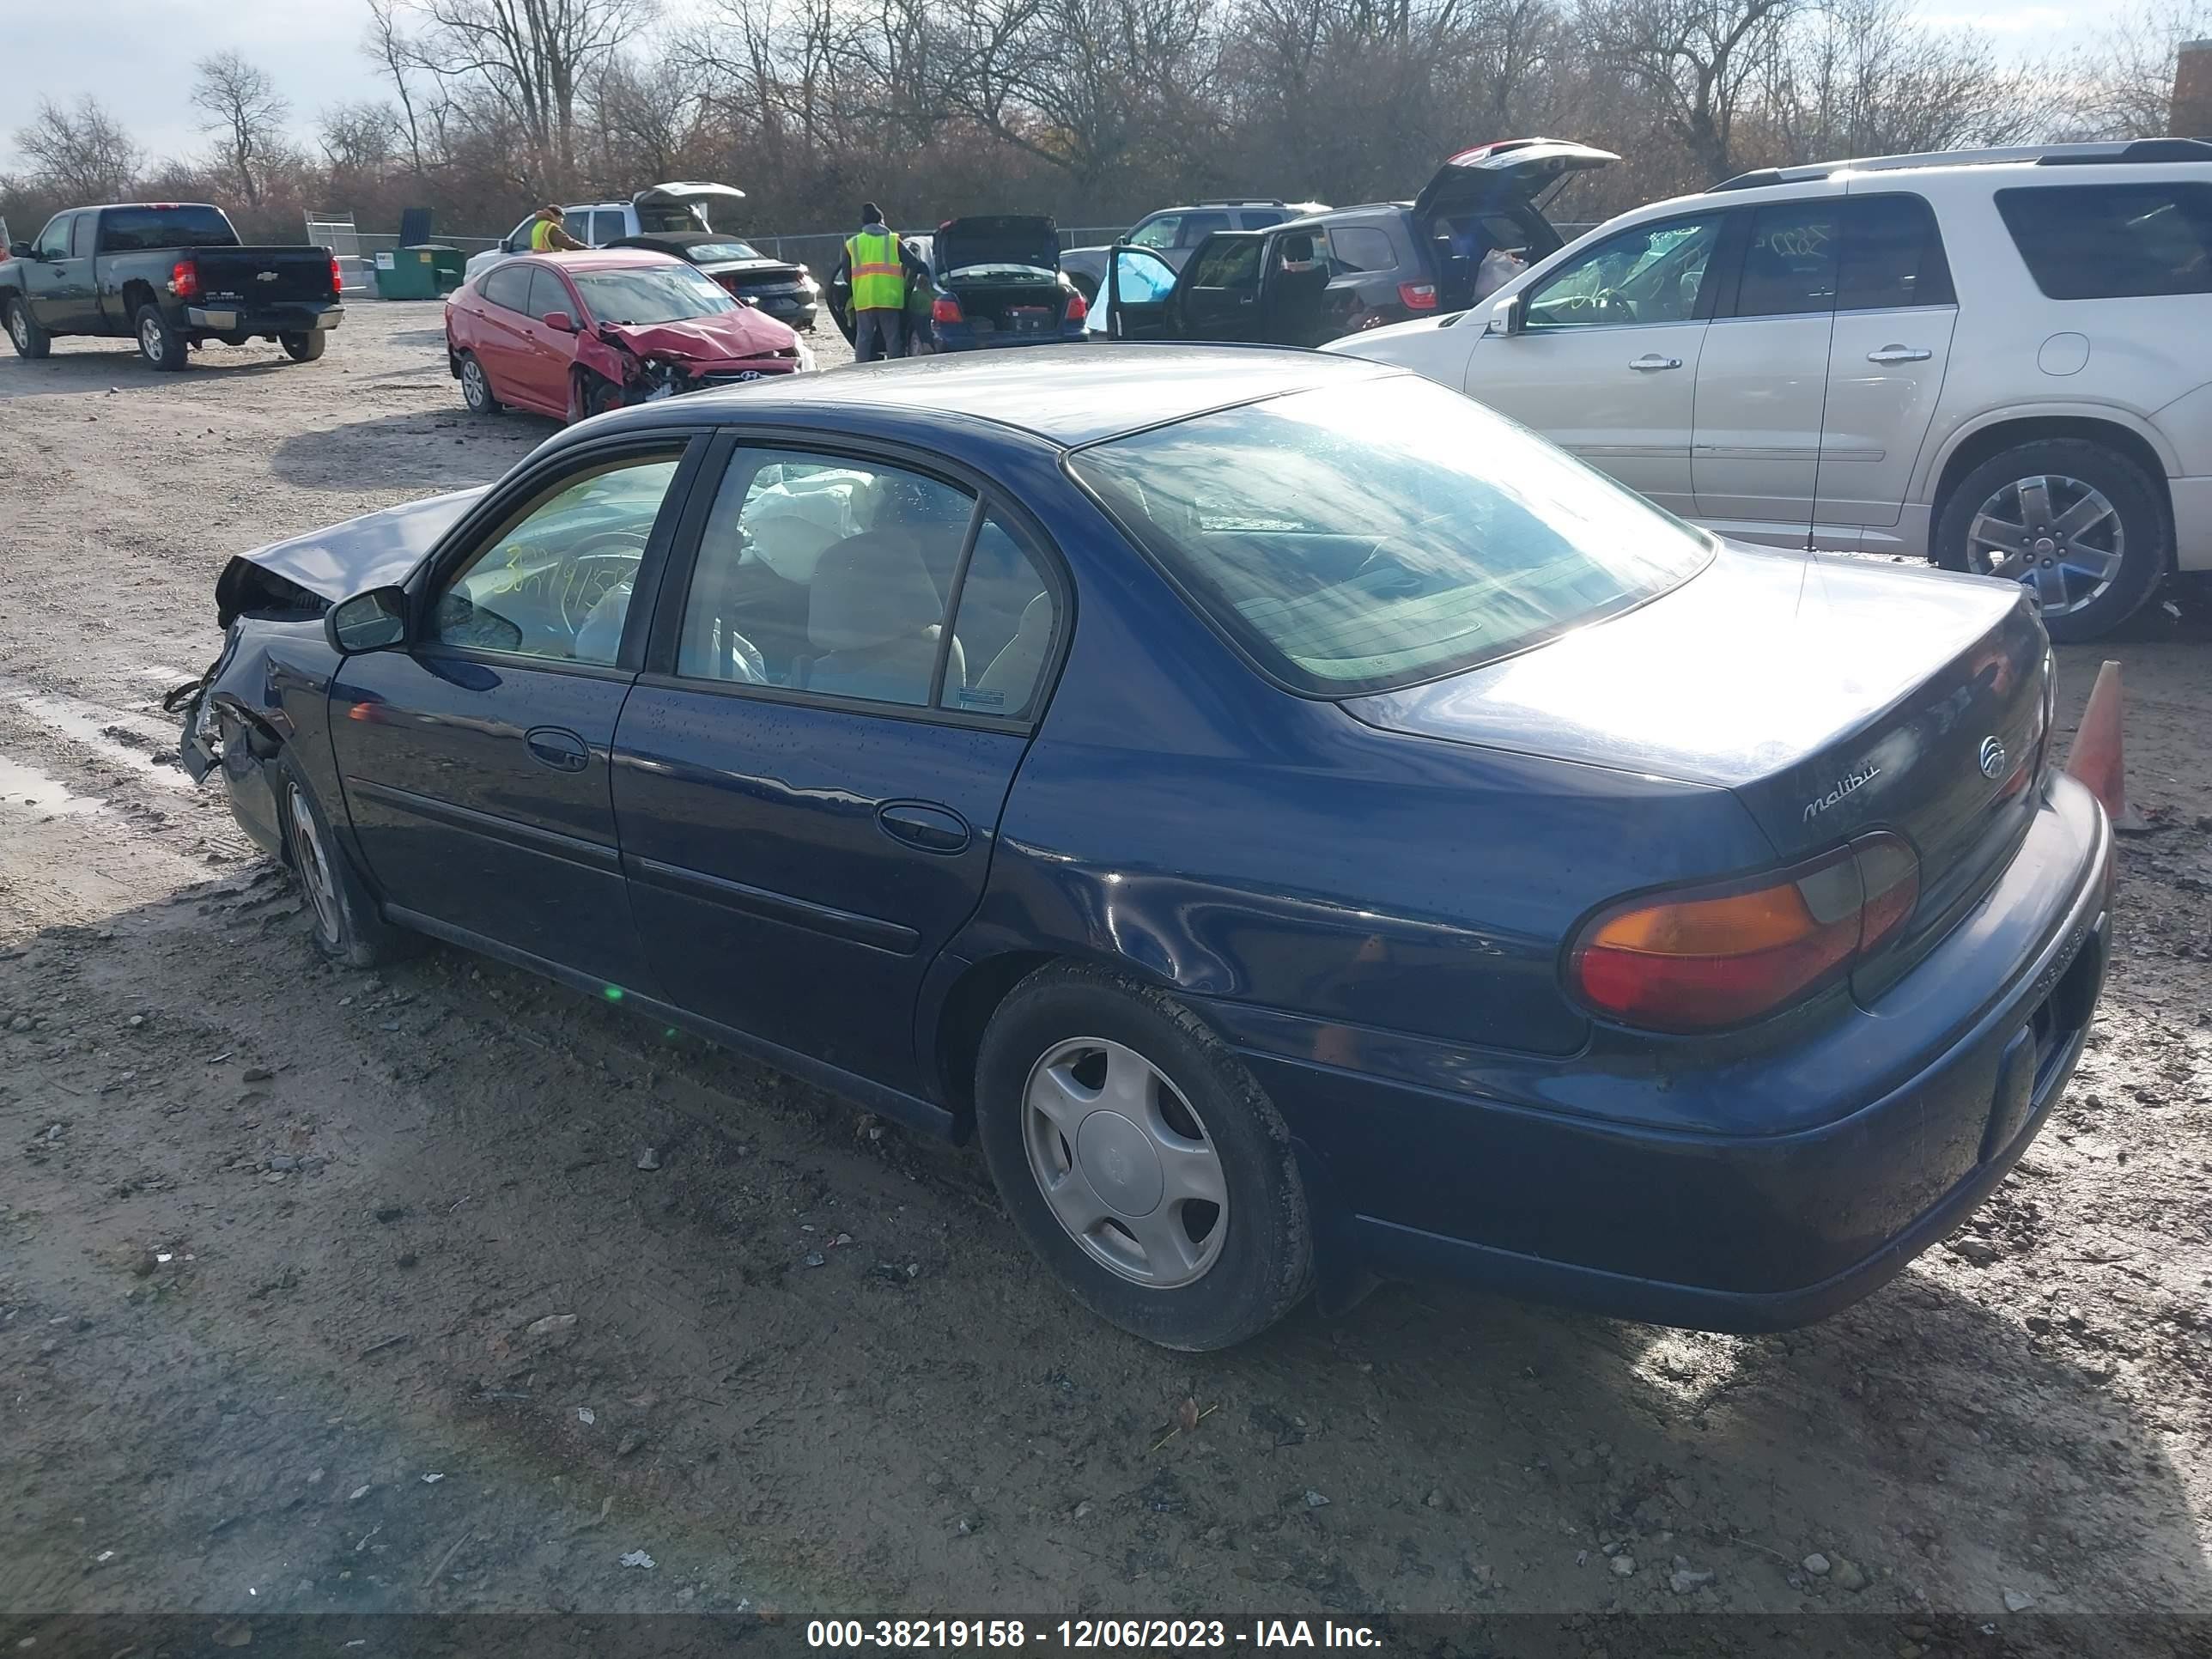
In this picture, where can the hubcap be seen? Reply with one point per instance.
(18, 329)
(150, 338)
(2057, 536)
(1124, 1163)
(472, 379)
(314, 867)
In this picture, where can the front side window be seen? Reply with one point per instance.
(1158, 232)
(1789, 265)
(1654, 273)
(54, 240)
(2113, 241)
(1368, 536)
(817, 574)
(518, 240)
(1227, 265)
(556, 582)
(548, 294)
(651, 294)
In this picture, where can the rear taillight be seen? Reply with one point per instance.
(185, 279)
(337, 278)
(1417, 296)
(945, 310)
(1702, 958)
(1077, 308)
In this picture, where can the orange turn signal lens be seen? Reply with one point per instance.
(1702, 958)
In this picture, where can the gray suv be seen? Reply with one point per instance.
(1175, 233)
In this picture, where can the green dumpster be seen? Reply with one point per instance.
(445, 264)
(406, 273)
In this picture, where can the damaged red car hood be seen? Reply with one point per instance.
(723, 338)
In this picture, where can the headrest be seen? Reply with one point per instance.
(868, 589)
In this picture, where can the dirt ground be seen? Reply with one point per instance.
(327, 1291)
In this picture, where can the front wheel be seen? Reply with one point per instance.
(303, 347)
(1142, 1162)
(347, 925)
(31, 341)
(2076, 523)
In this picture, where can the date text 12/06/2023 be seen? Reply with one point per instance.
(1087, 1635)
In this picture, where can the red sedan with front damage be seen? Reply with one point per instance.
(575, 334)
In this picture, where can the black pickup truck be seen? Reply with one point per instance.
(170, 275)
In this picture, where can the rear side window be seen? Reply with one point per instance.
(607, 226)
(508, 288)
(1362, 248)
(132, 229)
(81, 238)
(2113, 241)
(1261, 218)
(1789, 267)
(1892, 256)
(1004, 627)
(1197, 226)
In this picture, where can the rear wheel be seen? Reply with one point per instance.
(347, 926)
(24, 333)
(159, 343)
(476, 386)
(1143, 1163)
(303, 347)
(2076, 523)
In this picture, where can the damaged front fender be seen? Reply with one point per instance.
(241, 714)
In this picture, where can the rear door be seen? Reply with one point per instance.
(1217, 297)
(1607, 362)
(506, 348)
(1763, 378)
(1895, 313)
(475, 762)
(808, 776)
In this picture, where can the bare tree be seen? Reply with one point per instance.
(1866, 77)
(245, 112)
(1701, 59)
(80, 153)
(530, 60)
(2128, 92)
(386, 45)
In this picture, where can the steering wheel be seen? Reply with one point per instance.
(588, 573)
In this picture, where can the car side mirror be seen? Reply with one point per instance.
(374, 621)
(559, 321)
(22, 251)
(1508, 317)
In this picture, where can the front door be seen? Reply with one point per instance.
(1764, 378)
(475, 762)
(549, 353)
(1217, 297)
(1606, 364)
(808, 777)
(56, 283)
(1139, 295)
(1895, 311)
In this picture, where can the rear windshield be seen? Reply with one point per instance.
(132, 229)
(720, 250)
(1372, 535)
(666, 295)
(2113, 241)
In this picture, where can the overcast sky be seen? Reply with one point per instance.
(142, 69)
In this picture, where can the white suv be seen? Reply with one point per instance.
(681, 206)
(1996, 357)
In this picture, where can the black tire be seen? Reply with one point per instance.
(1262, 1264)
(31, 341)
(476, 386)
(303, 347)
(595, 395)
(159, 342)
(2137, 529)
(342, 913)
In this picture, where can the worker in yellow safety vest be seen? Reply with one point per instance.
(876, 266)
(549, 234)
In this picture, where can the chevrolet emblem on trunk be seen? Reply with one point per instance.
(265, 276)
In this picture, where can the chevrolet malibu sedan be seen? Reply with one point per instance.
(572, 335)
(1304, 826)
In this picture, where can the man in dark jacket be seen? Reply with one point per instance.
(878, 268)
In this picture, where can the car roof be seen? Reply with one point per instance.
(605, 259)
(1067, 395)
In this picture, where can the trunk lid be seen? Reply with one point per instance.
(996, 239)
(261, 276)
(1833, 697)
(1510, 169)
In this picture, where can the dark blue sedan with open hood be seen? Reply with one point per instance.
(1302, 825)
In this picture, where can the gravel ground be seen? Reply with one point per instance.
(328, 1291)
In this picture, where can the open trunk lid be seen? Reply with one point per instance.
(1831, 697)
(1510, 169)
(695, 197)
(996, 239)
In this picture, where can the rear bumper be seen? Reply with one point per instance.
(264, 319)
(958, 336)
(1736, 1232)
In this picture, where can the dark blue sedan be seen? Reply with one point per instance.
(1303, 826)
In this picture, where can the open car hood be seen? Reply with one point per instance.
(742, 332)
(996, 239)
(1512, 168)
(378, 549)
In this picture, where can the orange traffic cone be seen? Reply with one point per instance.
(2096, 757)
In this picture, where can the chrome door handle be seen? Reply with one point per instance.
(1652, 360)
(1898, 353)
